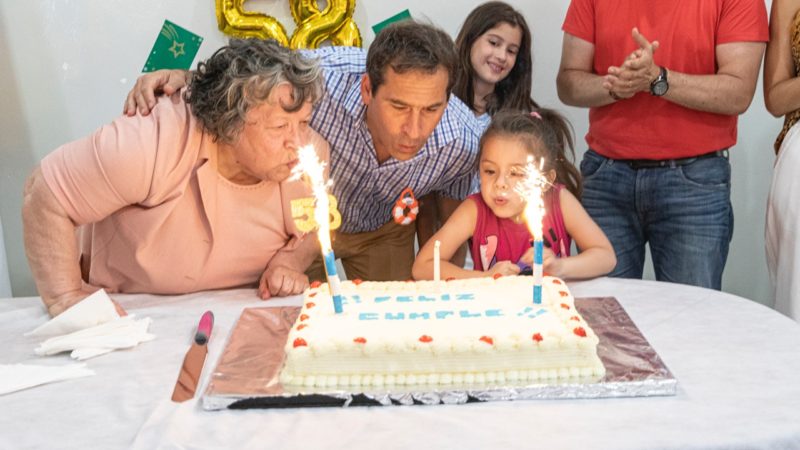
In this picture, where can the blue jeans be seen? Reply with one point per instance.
(683, 211)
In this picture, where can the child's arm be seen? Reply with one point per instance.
(458, 228)
(596, 255)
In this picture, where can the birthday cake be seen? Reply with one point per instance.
(473, 332)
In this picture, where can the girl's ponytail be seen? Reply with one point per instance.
(561, 145)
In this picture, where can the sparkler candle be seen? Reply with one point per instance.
(538, 260)
(333, 280)
(436, 262)
(531, 190)
(313, 168)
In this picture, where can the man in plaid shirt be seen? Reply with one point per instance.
(395, 133)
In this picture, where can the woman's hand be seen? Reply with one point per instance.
(69, 299)
(281, 281)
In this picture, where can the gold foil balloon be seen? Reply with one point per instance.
(334, 23)
(233, 20)
(348, 35)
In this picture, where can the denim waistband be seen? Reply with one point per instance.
(655, 163)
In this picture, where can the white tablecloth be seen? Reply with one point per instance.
(737, 364)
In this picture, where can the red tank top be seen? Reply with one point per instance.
(497, 239)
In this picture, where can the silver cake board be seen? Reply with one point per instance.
(247, 374)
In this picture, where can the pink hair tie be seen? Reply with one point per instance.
(536, 114)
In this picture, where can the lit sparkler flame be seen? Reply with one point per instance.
(531, 190)
(313, 169)
(310, 167)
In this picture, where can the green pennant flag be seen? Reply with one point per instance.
(175, 48)
(402, 15)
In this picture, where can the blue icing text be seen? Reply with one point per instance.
(353, 299)
(400, 315)
(528, 311)
(443, 314)
(426, 315)
(416, 298)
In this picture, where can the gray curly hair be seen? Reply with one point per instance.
(241, 76)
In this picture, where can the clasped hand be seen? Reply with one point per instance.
(636, 72)
(551, 264)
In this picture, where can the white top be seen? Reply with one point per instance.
(736, 362)
(783, 218)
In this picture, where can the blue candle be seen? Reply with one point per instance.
(538, 260)
(333, 280)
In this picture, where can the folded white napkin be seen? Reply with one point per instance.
(124, 332)
(90, 328)
(15, 377)
(93, 310)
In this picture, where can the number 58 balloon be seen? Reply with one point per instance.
(303, 214)
(334, 23)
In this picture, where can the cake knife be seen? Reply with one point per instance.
(189, 377)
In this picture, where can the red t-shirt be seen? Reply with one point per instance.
(649, 127)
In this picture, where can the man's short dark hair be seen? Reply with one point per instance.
(411, 46)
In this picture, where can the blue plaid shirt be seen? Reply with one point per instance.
(367, 191)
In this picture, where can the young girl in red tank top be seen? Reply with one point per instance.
(492, 220)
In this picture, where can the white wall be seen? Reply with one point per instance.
(5, 281)
(65, 67)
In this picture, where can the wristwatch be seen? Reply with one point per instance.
(660, 86)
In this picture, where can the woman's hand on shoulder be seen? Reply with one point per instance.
(148, 86)
(281, 281)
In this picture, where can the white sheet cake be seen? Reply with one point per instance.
(478, 331)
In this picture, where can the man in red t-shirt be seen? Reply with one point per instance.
(664, 84)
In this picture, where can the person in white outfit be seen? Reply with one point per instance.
(782, 98)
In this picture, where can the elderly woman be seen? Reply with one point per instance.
(192, 197)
